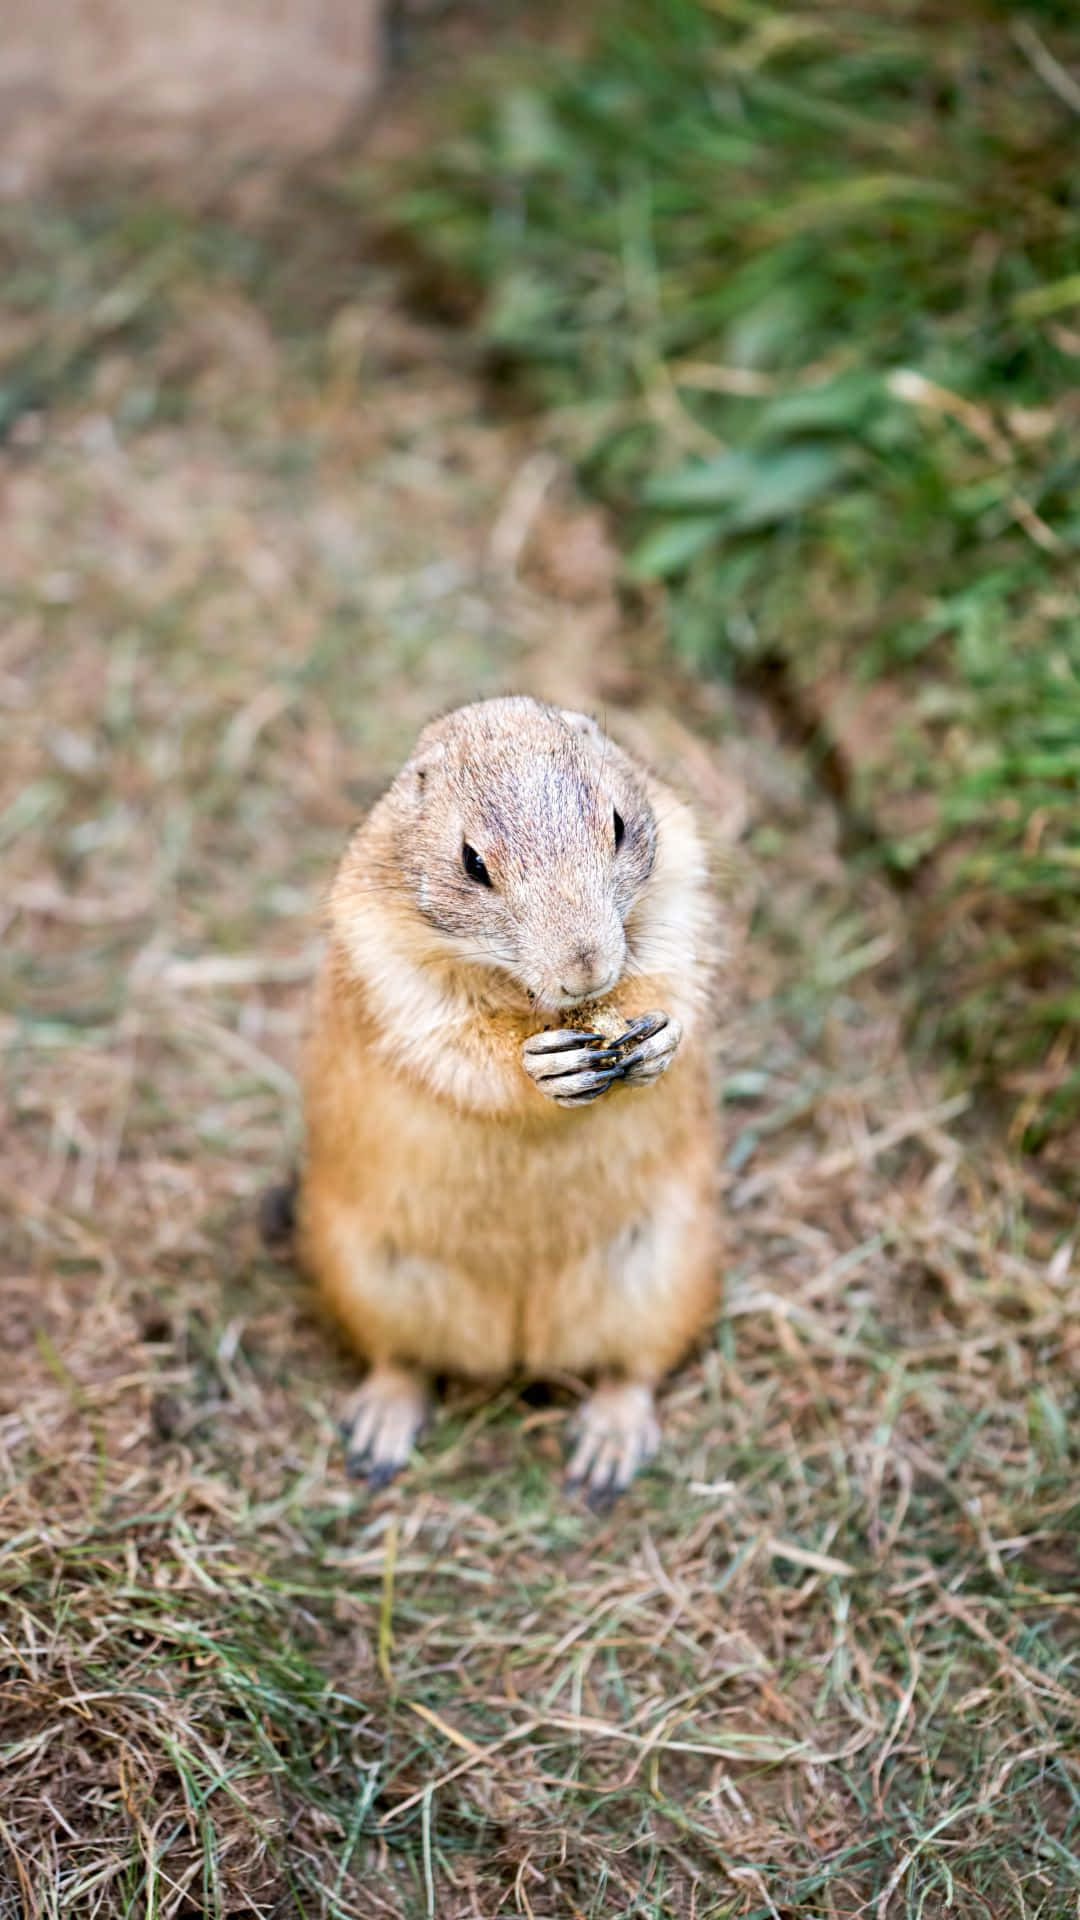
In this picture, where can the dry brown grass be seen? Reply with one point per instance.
(823, 1660)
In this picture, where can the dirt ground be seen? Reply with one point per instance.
(214, 86)
(822, 1660)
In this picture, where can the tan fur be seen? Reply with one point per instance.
(454, 1218)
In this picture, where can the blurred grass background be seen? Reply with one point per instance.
(800, 288)
(793, 291)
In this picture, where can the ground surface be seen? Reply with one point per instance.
(823, 1659)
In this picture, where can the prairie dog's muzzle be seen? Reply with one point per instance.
(585, 967)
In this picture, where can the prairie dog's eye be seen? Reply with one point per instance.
(620, 829)
(474, 866)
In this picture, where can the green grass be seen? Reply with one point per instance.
(798, 287)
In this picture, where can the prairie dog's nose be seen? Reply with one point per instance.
(589, 971)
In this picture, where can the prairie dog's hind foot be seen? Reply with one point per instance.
(617, 1432)
(382, 1423)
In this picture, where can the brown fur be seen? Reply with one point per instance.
(454, 1218)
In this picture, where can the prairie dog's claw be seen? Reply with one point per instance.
(641, 1029)
(381, 1425)
(560, 1039)
(616, 1432)
(654, 1049)
(571, 1068)
(574, 1068)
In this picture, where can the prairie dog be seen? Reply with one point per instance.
(498, 1176)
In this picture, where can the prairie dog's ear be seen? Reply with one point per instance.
(427, 756)
(583, 723)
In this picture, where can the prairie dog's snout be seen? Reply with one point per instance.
(577, 951)
(595, 968)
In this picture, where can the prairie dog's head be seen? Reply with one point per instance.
(524, 837)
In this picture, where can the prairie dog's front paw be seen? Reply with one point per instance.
(570, 1067)
(652, 1050)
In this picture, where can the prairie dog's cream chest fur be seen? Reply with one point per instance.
(499, 1176)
